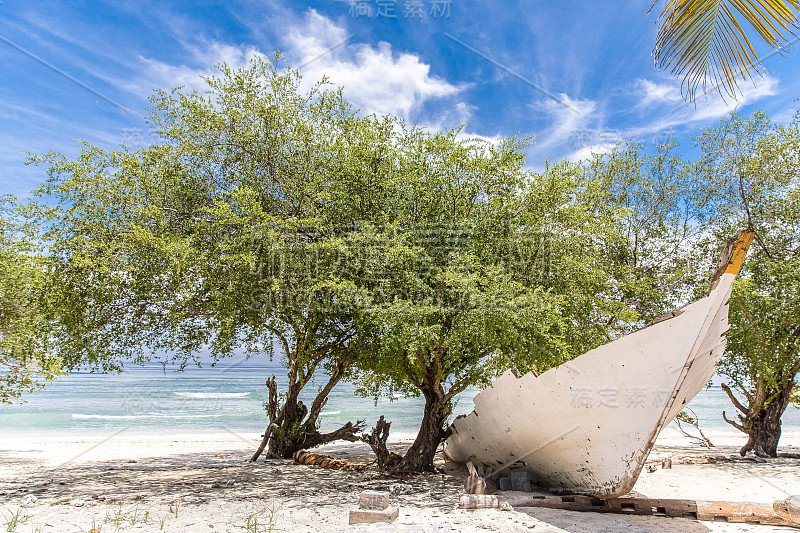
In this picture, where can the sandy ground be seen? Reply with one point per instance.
(204, 484)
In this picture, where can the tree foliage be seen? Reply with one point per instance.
(507, 269)
(750, 169)
(227, 236)
(655, 260)
(27, 361)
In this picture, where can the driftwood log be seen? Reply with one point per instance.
(781, 513)
(305, 457)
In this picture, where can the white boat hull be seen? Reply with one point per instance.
(588, 425)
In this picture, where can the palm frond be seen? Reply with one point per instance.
(704, 40)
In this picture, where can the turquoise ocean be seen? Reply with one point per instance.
(229, 398)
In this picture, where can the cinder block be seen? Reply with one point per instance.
(519, 481)
(365, 516)
(504, 483)
(373, 500)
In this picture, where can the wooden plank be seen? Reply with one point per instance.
(726, 511)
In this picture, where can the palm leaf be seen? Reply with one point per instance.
(703, 40)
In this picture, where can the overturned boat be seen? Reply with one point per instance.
(587, 426)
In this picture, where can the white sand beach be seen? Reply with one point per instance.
(194, 483)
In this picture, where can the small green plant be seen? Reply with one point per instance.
(137, 517)
(687, 416)
(161, 522)
(255, 523)
(14, 519)
(174, 508)
(251, 525)
(114, 517)
(133, 516)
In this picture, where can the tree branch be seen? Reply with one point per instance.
(734, 424)
(346, 432)
(734, 400)
(750, 219)
(322, 396)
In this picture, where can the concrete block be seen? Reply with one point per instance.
(373, 500)
(504, 483)
(365, 516)
(519, 481)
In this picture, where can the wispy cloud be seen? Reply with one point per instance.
(672, 112)
(565, 120)
(586, 152)
(652, 93)
(156, 74)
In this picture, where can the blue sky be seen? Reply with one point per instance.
(578, 75)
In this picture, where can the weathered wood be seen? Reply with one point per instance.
(478, 481)
(479, 485)
(788, 509)
(479, 501)
(781, 513)
(386, 459)
(272, 405)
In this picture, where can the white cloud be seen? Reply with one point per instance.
(375, 78)
(669, 112)
(568, 116)
(657, 93)
(586, 152)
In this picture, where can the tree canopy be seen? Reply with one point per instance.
(27, 356)
(227, 236)
(750, 170)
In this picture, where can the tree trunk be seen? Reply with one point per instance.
(288, 436)
(293, 427)
(419, 457)
(763, 424)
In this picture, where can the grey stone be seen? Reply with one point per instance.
(504, 483)
(373, 500)
(365, 516)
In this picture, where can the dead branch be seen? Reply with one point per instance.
(377, 441)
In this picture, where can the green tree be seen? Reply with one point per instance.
(228, 235)
(495, 268)
(448, 295)
(706, 40)
(651, 261)
(26, 361)
(750, 170)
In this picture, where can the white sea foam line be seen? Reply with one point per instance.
(212, 394)
(79, 416)
(330, 413)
